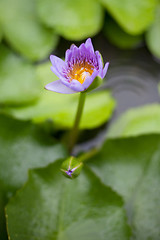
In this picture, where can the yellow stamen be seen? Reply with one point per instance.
(80, 72)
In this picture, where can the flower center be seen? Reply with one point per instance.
(80, 72)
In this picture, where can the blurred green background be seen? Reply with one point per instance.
(34, 123)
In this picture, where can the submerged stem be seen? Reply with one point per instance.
(74, 132)
(86, 156)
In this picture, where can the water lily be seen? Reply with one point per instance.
(81, 66)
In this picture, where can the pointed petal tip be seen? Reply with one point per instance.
(73, 46)
(51, 57)
(105, 69)
(88, 41)
(89, 45)
(68, 55)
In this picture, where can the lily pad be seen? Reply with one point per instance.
(133, 16)
(53, 207)
(74, 20)
(153, 35)
(61, 108)
(131, 167)
(23, 30)
(137, 121)
(117, 36)
(18, 83)
(1, 33)
(23, 146)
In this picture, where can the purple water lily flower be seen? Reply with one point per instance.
(81, 66)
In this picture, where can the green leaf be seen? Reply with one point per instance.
(133, 16)
(1, 33)
(131, 167)
(119, 37)
(23, 146)
(137, 121)
(146, 207)
(153, 35)
(18, 83)
(74, 20)
(23, 30)
(61, 108)
(53, 207)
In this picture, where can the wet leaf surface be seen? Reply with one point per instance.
(137, 121)
(23, 146)
(51, 206)
(131, 167)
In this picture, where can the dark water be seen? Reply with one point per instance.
(133, 76)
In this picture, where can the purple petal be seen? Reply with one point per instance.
(100, 63)
(83, 52)
(68, 55)
(55, 71)
(58, 65)
(63, 79)
(102, 72)
(76, 56)
(72, 54)
(73, 46)
(90, 79)
(89, 45)
(105, 70)
(76, 86)
(82, 48)
(58, 86)
(86, 54)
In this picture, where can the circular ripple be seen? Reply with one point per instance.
(132, 85)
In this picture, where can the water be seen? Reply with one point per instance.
(132, 85)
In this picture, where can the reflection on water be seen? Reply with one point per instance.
(132, 85)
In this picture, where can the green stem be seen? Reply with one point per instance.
(74, 132)
(88, 155)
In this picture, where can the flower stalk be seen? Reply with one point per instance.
(87, 155)
(82, 71)
(74, 131)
